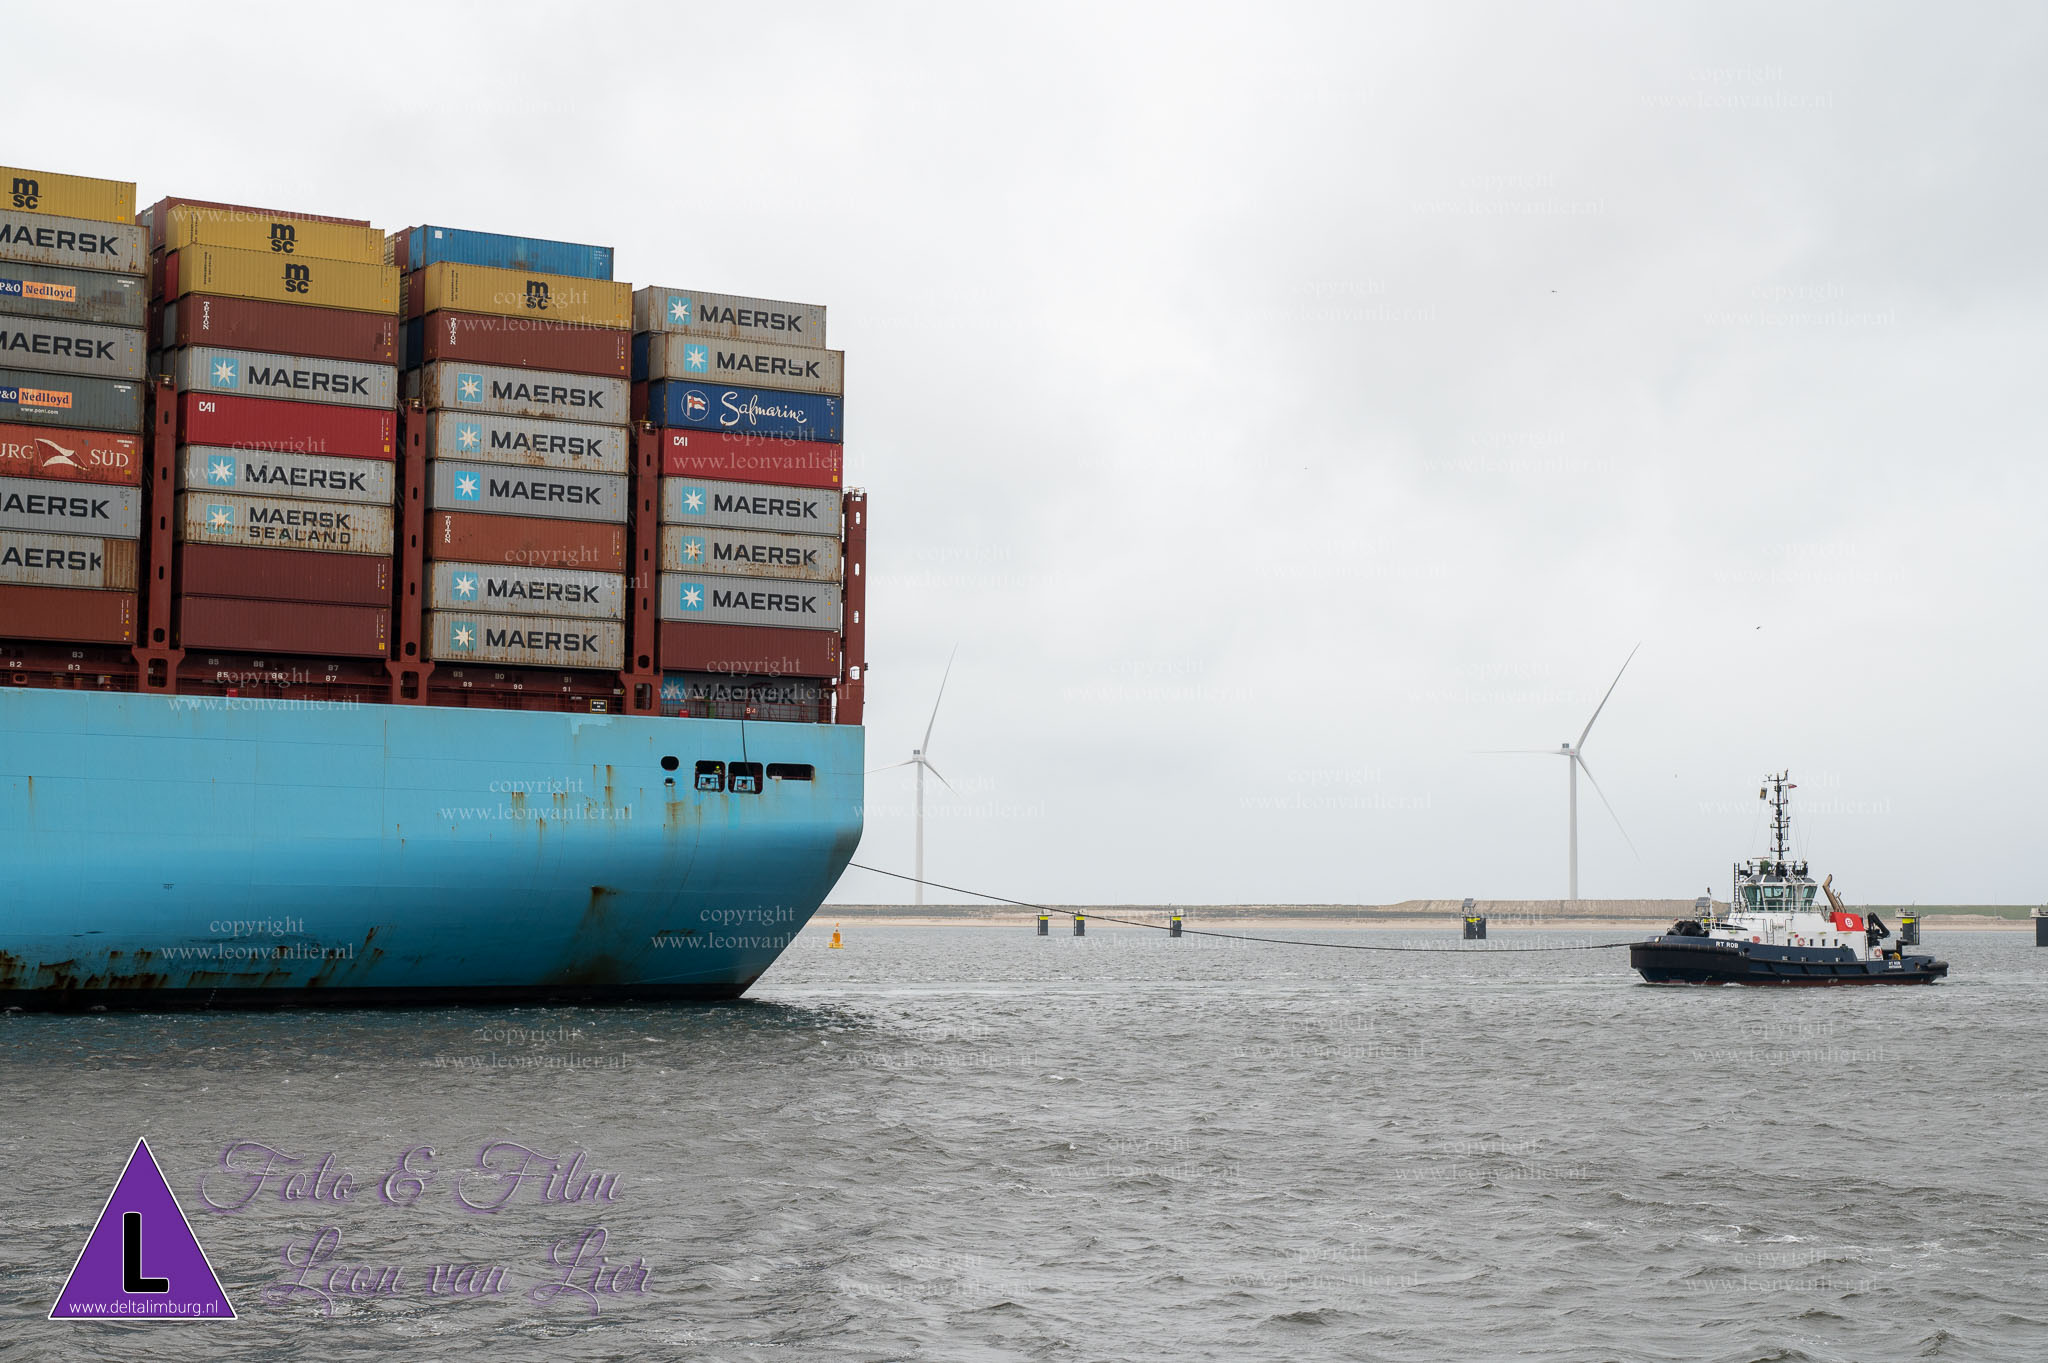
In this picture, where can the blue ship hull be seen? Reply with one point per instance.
(210, 852)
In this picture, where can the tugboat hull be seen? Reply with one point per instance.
(1694, 960)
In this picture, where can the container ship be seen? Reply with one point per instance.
(408, 617)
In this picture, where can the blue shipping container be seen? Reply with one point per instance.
(746, 411)
(433, 245)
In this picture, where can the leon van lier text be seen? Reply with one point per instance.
(495, 1181)
(577, 1274)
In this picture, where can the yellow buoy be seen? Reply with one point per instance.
(836, 943)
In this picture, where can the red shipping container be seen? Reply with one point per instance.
(522, 343)
(270, 424)
(75, 456)
(283, 575)
(750, 458)
(750, 650)
(158, 212)
(283, 627)
(282, 329)
(532, 541)
(75, 615)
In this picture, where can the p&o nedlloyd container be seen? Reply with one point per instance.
(29, 398)
(67, 295)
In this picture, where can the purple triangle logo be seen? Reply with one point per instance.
(142, 1261)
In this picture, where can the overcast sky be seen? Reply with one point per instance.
(1275, 405)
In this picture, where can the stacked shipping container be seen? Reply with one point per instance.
(280, 334)
(72, 351)
(518, 354)
(749, 409)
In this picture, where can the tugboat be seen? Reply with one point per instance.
(1774, 934)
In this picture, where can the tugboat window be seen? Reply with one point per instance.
(711, 776)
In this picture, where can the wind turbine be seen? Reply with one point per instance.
(920, 760)
(1575, 762)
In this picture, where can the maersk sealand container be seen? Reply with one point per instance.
(750, 411)
(415, 248)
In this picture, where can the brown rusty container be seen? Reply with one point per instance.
(71, 614)
(157, 216)
(283, 575)
(200, 319)
(530, 541)
(283, 627)
(749, 650)
(519, 343)
(76, 456)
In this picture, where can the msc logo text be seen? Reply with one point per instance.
(284, 238)
(537, 295)
(297, 278)
(27, 192)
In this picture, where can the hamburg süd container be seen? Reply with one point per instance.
(750, 506)
(53, 291)
(283, 575)
(749, 601)
(415, 248)
(506, 589)
(519, 392)
(280, 279)
(749, 649)
(31, 398)
(753, 411)
(518, 343)
(749, 553)
(51, 346)
(157, 217)
(455, 636)
(74, 456)
(200, 319)
(100, 510)
(509, 490)
(69, 614)
(530, 540)
(235, 518)
(518, 293)
(262, 626)
(71, 243)
(272, 424)
(734, 458)
(239, 229)
(535, 442)
(759, 364)
(309, 477)
(695, 313)
(67, 561)
(295, 378)
(68, 196)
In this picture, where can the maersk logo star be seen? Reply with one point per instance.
(465, 585)
(462, 635)
(221, 471)
(224, 375)
(691, 597)
(693, 501)
(220, 519)
(469, 388)
(679, 310)
(469, 435)
(468, 486)
(696, 359)
(693, 549)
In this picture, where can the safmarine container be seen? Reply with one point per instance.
(532, 540)
(59, 347)
(519, 392)
(760, 364)
(280, 279)
(535, 442)
(67, 196)
(257, 626)
(280, 328)
(235, 518)
(157, 217)
(455, 636)
(74, 456)
(296, 378)
(272, 424)
(415, 248)
(749, 553)
(110, 300)
(507, 589)
(749, 649)
(311, 477)
(283, 575)
(518, 342)
(95, 509)
(67, 561)
(750, 506)
(28, 398)
(696, 313)
(517, 293)
(734, 458)
(749, 601)
(241, 229)
(68, 614)
(71, 243)
(508, 490)
(751, 411)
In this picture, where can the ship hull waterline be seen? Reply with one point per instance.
(1693, 960)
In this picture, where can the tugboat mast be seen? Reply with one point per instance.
(1781, 822)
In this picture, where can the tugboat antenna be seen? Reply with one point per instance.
(1780, 822)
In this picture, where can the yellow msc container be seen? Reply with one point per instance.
(515, 293)
(237, 229)
(67, 196)
(281, 279)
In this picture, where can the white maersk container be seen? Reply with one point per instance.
(692, 312)
(750, 506)
(536, 442)
(455, 636)
(746, 364)
(512, 590)
(749, 553)
(314, 477)
(701, 598)
(295, 378)
(235, 518)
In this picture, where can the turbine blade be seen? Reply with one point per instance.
(1610, 808)
(1539, 752)
(942, 780)
(927, 747)
(1610, 691)
(891, 767)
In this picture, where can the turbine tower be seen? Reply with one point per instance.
(919, 758)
